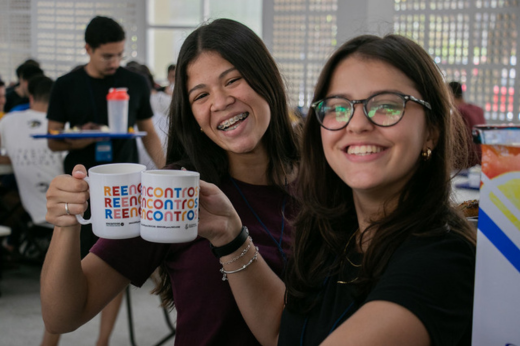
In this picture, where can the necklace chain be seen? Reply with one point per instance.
(349, 261)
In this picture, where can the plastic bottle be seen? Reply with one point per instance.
(117, 100)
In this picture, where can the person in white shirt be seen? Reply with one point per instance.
(33, 163)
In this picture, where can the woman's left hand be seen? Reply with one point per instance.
(218, 219)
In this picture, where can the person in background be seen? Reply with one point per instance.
(13, 85)
(33, 164)
(160, 102)
(171, 79)
(18, 98)
(79, 98)
(229, 121)
(374, 261)
(2, 98)
(472, 115)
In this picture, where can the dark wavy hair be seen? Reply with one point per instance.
(327, 219)
(188, 147)
(103, 30)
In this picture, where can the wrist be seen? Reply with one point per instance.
(231, 246)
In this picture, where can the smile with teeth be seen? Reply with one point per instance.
(363, 149)
(232, 123)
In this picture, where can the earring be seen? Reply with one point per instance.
(201, 130)
(426, 154)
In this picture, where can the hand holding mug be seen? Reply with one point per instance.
(219, 221)
(67, 193)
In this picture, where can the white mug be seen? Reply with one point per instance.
(169, 206)
(115, 200)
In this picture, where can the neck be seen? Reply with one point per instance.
(39, 107)
(250, 168)
(370, 207)
(458, 102)
(92, 72)
(19, 90)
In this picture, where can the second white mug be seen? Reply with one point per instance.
(169, 206)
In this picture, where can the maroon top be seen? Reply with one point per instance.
(207, 313)
(472, 115)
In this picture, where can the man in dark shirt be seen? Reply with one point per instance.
(79, 98)
(472, 115)
(20, 94)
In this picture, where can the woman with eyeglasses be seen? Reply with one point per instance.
(380, 255)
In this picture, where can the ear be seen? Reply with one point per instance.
(89, 49)
(432, 137)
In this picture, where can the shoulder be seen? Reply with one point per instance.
(71, 77)
(433, 277)
(130, 76)
(446, 258)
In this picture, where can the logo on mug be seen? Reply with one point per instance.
(122, 202)
(169, 204)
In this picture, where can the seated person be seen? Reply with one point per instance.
(33, 163)
(472, 115)
(18, 98)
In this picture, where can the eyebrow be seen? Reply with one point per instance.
(370, 94)
(222, 75)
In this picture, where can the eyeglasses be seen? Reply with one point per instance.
(110, 57)
(383, 109)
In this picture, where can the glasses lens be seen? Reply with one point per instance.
(385, 109)
(334, 113)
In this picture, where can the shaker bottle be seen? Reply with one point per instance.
(117, 100)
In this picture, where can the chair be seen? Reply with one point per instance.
(4, 231)
(169, 324)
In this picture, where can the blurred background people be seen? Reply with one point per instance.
(2, 98)
(18, 98)
(171, 79)
(160, 102)
(472, 115)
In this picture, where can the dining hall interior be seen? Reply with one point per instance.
(474, 44)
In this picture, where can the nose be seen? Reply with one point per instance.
(221, 100)
(359, 121)
(114, 63)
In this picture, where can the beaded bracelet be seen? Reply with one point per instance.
(239, 256)
(226, 272)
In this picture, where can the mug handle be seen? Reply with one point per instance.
(80, 218)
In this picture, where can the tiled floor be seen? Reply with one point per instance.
(21, 323)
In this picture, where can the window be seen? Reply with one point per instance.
(171, 21)
(474, 42)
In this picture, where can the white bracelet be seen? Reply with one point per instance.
(241, 255)
(226, 272)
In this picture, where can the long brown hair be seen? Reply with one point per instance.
(328, 219)
(188, 147)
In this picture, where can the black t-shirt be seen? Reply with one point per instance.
(433, 277)
(12, 99)
(78, 99)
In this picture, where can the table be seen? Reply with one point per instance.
(460, 195)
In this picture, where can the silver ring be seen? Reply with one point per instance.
(67, 208)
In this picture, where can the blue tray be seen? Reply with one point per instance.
(466, 186)
(91, 134)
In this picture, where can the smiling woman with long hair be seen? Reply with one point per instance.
(229, 121)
